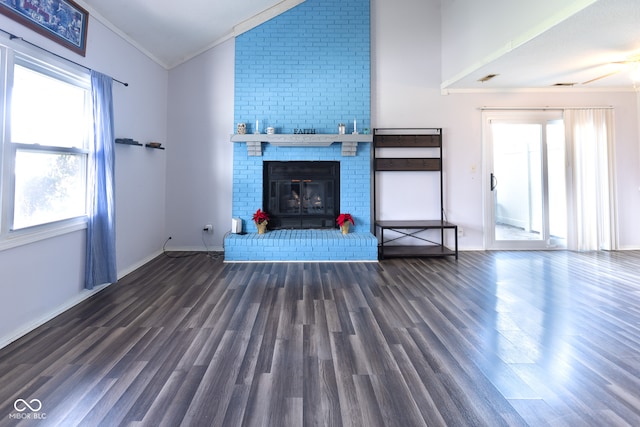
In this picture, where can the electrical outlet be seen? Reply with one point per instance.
(208, 228)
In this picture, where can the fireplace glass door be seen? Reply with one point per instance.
(302, 195)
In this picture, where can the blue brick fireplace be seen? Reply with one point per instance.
(308, 68)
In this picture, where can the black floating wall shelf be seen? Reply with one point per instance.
(127, 141)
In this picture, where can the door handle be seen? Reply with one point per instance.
(494, 181)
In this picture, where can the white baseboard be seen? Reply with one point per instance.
(194, 249)
(137, 265)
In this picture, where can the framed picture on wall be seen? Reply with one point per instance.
(62, 21)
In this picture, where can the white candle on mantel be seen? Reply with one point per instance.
(257, 128)
(355, 128)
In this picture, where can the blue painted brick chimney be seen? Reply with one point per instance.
(306, 68)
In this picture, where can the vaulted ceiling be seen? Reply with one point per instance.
(577, 52)
(172, 32)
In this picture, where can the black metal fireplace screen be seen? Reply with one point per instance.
(302, 194)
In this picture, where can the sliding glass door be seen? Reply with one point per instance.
(525, 188)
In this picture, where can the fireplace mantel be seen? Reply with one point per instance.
(254, 141)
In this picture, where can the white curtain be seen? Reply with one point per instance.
(590, 179)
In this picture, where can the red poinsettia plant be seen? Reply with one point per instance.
(344, 217)
(260, 217)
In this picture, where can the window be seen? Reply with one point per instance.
(45, 146)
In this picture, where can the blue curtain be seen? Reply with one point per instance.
(101, 236)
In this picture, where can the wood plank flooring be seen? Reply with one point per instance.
(493, 339)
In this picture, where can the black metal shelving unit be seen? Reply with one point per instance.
(403, 229)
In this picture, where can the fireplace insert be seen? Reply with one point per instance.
(302, 194)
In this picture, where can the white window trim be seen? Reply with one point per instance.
(15, 238)
(41, 232)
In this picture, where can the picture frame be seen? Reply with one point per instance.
(62, 21)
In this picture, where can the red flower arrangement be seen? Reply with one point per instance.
(260, 217)
(344, 217)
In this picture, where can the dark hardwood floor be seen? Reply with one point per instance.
(495, 338)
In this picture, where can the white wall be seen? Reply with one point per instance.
(140, 113)
(42, 279)
(200, 164)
